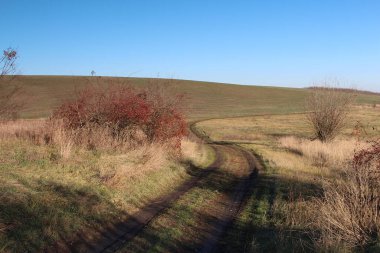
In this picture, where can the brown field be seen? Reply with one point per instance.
(204, 100)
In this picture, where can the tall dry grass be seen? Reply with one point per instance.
(49, 132)
(94, 137)
(32, 130)
(64, 140)
(143, 159)
(323, 154)
(133, 164)
(130, 142)
(194, 151)
(348, 212)
(350, 207)
(3, 227)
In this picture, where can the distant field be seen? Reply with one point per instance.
(204, 99)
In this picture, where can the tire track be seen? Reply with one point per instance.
(236, 201)
(232, 205)
(112, 238)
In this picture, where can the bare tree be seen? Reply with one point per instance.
(9, 106)
(328, 110)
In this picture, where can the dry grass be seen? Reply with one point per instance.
(117, 170)
(290, 197)
(47, 132)
(195, 152)
(347, 215)
(64, 141)
(332, 154)
(23, 129)
(349, 209)
(3, 227)
(68, 185)
(129, 143)
(142, 160)
(95, 137)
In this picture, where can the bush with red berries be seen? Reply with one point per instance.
(121, 107)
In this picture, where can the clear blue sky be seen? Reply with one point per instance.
(282, 43)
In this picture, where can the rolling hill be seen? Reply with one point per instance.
(203, 99)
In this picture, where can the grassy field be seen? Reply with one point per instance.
(280, 214)
(203, 99)
(47, 189)
(46, 197)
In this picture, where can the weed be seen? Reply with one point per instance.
(349, 210)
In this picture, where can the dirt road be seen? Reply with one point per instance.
(235, 166)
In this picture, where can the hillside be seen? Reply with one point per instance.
(203, 99)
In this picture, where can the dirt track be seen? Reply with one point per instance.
(232, 204)
(224, 212)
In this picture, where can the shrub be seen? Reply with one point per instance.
(122, 110)
(166, 120)
(328, 109)
(350, 208)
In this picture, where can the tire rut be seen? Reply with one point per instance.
(233, 205)
(114, 237)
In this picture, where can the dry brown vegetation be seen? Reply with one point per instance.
(119, 156)
(328, 109)
(347, 214)
(124, 112)
(332, 154)
(350, 207)
(10, 102)
(78, 188)
(312, 195)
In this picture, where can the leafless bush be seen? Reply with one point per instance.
(350, 207)
(328, 109)
(9, 103)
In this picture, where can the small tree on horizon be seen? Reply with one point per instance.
(328, 108)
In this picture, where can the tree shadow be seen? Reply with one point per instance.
(66, 203)
(249, 236)
(260, 231)
(46, 212)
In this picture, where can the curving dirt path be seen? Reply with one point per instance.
(232, 201)
(226, 207)
(232, 204)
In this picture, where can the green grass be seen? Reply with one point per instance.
(204, 99)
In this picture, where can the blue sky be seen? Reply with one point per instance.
(281, 43)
